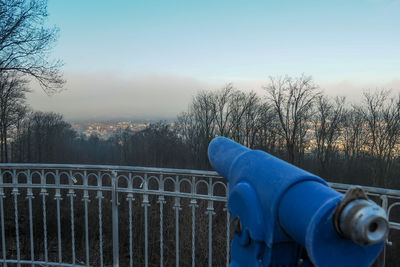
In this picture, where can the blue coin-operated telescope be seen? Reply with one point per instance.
(285, 216)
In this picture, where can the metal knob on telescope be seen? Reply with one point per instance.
(360, 219)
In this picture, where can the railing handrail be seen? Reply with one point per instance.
(342, 186)
(48, 166)
(368, 189)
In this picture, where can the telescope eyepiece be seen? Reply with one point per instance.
(364, 222)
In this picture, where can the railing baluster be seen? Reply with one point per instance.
(72, 195)
(86, 200)
(115, 203)
(17, 226)
(193, 204)
(59, 230)
(43, 193)
(210, 212)
(161, 201)
(145, 205)
(30, 196)
(3, 234)
(58, 198)
(100, 198)
(3, 237)
(177, 208)
(130, 199)
(15, 193)
(385, 207)
(146, 234)
(46, 258)
(71, 198)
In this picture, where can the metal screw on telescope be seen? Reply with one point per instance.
(237, 226)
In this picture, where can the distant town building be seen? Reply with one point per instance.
(105, 130)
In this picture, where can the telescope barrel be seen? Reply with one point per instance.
(277, 203)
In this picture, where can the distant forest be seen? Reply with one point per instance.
(294, 120)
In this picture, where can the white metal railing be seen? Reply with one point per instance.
(87, 215)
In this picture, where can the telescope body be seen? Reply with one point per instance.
(283, 215)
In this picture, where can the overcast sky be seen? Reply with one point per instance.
(148, 58)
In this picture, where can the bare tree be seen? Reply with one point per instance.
(25, 42)
(237, 114)
(327, 122)
(203, 108)
(17, 148)
(382, 116)
(267, 137)
(240, 105)
(12, 105)
(354, 135)
(292, 100)
(45, 137)
(198, 126)
(223, 111)
(251, 119)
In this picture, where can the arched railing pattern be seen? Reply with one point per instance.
(94, 215)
